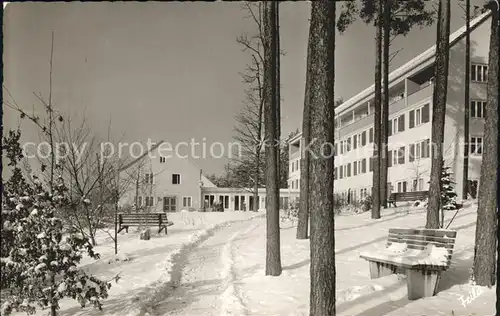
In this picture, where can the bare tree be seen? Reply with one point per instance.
(321, 48)
(439, 98)
(486, 227)
(418, 170)
(250, 121)
(273, 253)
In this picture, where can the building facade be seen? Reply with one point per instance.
(410, 118)
(171, 184)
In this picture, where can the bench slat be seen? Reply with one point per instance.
(423, 238)
(417, 244)
(424, 232)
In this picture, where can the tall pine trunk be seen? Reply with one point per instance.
(385, 105)
(439, 97)
(377, 129)
(486, 225)
(273, 256)
(322, 106)
(278, 91)
(465, 176)
(303, 216)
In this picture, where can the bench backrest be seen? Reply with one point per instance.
(142, 218)
(409, 196)
(420, 238)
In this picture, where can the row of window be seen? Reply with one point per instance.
(149, 178)
(395, 157)
(169, 203)
(416, 117)
(295, 165)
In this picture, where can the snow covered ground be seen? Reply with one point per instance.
(213, 264)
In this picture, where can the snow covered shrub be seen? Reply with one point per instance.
(145, 234)
(448, 194)
(366, 203)
(38, 263)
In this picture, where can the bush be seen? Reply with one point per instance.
(366, 203)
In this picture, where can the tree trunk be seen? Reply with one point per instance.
(385, 105)
(322, 106)
(278, 92)
(303, 216)
(273, 257)
(377, 129)
(465, 176)
(484, 264)
(439, 97)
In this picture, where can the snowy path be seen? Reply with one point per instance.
(203, 279)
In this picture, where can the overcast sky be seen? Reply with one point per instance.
(170, 70)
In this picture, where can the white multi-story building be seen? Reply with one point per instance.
(410, 117)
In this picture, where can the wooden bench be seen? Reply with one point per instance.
(125, 220)
(407, 196)
(423, 254)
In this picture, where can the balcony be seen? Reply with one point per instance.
(394, 107)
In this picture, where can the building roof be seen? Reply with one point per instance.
(408, 68)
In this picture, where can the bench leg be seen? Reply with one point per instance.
(162, 228)
(378, 270)
(421, 283)
(122, 228)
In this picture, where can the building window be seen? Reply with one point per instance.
(396, 157)
(348, 144)
(335, 149)
(187, 201)
(355, 168)
(370, 135)
(418, 184)
(397, 125)
(162, 159)
(401, 186)
(139, 201)
(477, 109)
(149, 178)
(149, 201)
(348, 170)
(363, 165)
(341, 172)
(370, 164)
(293, 165)
(479, 73)
(170, 204)
(419, 116)
(476, 145)
(176, 178)
(419, 150)
(363, 138)
(335, 174)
